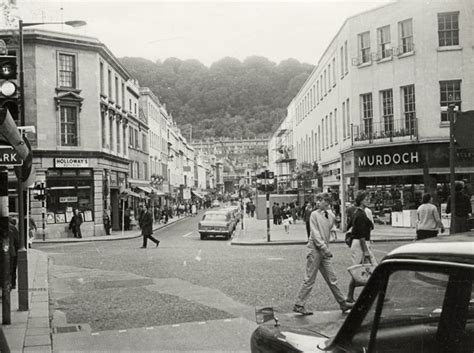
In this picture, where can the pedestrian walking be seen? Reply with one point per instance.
(193, 210)
(14, 239)
(319, 257)
(463, 209)
(361, 226)
(307, 214)
(428, 219)
(251, 208)
(275, 212)
(31, 231)
(75, 224)
(146, 224)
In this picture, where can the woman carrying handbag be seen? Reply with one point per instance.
(361, 253)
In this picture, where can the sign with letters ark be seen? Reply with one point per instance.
(9, 157)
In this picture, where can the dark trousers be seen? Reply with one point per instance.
(149, 236)
(425, 234)
(76, 231)
(13, 266)
(308, 229)
(275, 219)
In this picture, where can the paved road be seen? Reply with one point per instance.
(185, 295)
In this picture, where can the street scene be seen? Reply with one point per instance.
(237, 176)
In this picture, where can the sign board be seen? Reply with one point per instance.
(66, 199)
(71, 163)
(186, 194)
(9, 157)
(463, 128)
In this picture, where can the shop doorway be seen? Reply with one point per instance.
(114, 206)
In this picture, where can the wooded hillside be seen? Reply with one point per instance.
(228, 99)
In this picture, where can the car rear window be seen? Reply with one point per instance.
(214, 217)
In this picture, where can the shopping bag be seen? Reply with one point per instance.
(361, 273)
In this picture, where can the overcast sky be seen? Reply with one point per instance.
(206, 31)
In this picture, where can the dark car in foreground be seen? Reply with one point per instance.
(419, 299)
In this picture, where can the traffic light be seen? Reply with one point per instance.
(9, 85)
(39, 192)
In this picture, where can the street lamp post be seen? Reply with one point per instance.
(22, 253)
(452, 175)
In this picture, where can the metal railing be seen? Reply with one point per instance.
(387, 130)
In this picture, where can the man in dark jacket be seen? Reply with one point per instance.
(463, 209)
(75, 224)
(146, 223)
(14, 237)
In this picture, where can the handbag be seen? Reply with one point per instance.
(348, 239)
(361, 273)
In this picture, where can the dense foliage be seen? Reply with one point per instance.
(228, 99)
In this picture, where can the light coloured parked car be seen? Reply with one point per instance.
(216, 223)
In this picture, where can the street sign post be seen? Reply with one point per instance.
(9, 157)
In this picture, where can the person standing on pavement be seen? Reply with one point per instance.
(251, 208)
(319, 257)
(428, 219)
(32, 231)
(146, 225)
(361, 226)
(14, 238)
(463, 209)
(75, 224)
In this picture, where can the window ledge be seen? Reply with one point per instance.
(384, 60)
(368, 63)
(407, 54)
(449, 48)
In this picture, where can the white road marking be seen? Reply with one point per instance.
(227, 320)
(95, 333)
(150, 328)
(175, 325)
(187, 234)
(122, 331)
(198, 256)
(275, 259)
(201, 322)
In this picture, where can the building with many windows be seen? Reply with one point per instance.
(370, 114)
(77, 95)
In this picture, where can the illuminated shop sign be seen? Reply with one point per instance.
(389, 159)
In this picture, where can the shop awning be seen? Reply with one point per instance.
(158, 192)
(145, 189)
(197, 194)
(128, 192)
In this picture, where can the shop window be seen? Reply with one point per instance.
(69, 189)
(67, 71)
(111, 132)
(101, 70)
(450, 93)
(109, 83)
(448, 29)
(69, 130)
(104, 130)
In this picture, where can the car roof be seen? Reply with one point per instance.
(452, 248)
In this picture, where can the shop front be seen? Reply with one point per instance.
(396, 177)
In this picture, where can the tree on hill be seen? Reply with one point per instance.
(228, 99)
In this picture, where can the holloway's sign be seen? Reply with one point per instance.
(71, 162)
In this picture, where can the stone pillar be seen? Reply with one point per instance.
(98, 203)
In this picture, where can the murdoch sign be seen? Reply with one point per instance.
(388, 159)
(399, 157)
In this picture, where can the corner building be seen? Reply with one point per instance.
(370, 114)
(77, 98)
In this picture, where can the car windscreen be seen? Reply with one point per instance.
(214, 217)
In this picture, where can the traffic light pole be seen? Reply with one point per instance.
(268, 209)
(23, 304)
(452, 174)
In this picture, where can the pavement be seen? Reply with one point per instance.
(31, 330)
(254, 232)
